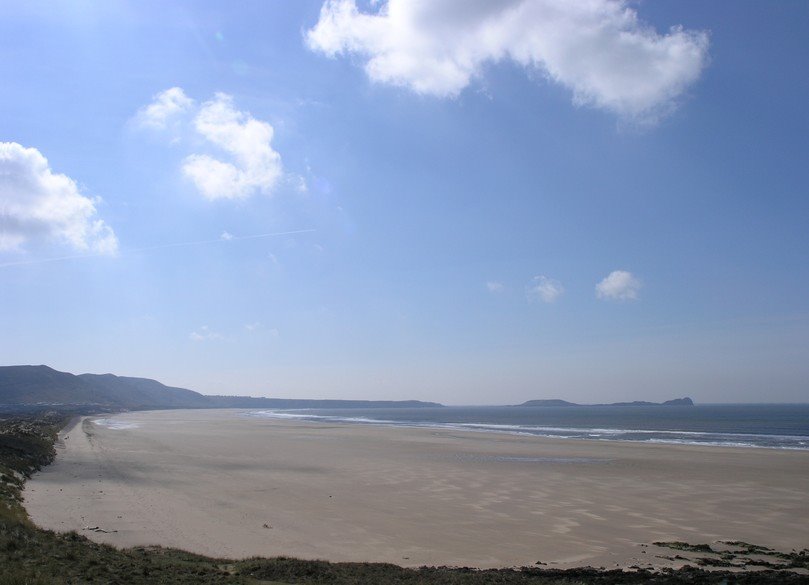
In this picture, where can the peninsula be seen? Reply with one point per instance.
(564, 403)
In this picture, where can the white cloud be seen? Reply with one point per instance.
(252, 326)
(619, 285)
(37, 204)
(301, 186)
(204, 334)
(165, 106)
(226, 236)
(256, 167)
(494, 286)
(544, 289)
(251, 166)
(598, 49)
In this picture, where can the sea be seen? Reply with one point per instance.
(773, 426)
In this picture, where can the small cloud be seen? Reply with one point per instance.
(226, 236)
(494, 287)
(273, 259)
(249, 164)
(299, 183)
(165, 106)
(542, 288)
(252, 327)
(247, 140)
(204, 334)
(619, 285)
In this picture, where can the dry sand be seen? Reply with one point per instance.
(222, 484)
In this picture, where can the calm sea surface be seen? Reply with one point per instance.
(740, 425)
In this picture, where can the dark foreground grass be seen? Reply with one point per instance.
(31, 556)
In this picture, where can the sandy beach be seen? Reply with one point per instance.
(228, 485)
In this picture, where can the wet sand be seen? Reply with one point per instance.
(225, 485)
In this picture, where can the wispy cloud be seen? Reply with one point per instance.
(257, 326)
(37, 204)
(542, 288)
(204, 333)
(495, 287)
(218, 240)
(600, 49)
(299, 183)
(619, 285)
(164, 107)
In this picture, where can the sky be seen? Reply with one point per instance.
(466, 201)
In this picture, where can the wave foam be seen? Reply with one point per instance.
(117, 425)
(673, 437)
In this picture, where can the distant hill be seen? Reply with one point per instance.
(548, 402)
(299, 403)
(679, 402)
(42, 385)
(556, 402)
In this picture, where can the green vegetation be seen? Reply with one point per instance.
(31, 556)
(26, 445)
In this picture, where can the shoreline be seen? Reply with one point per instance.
(209, 482)
(709, 438)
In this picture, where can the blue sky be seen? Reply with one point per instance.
(492, 202)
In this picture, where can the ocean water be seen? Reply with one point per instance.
(775, 426)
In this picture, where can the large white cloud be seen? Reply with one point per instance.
(257, 166)
(542, 288)
(37, 204)
(619, 285)
(598, 49)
